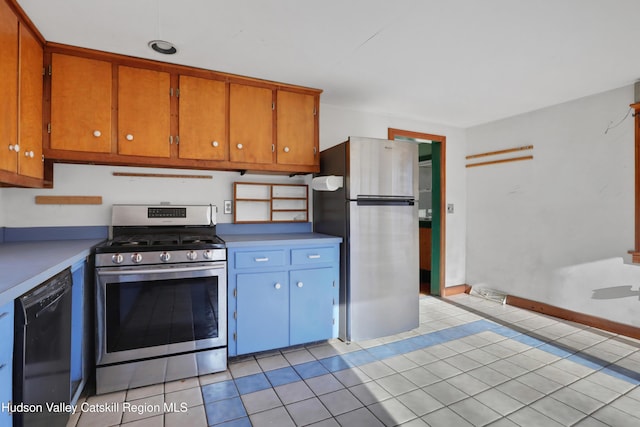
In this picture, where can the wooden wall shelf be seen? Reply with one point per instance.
(264, 202)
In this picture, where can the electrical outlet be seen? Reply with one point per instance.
(450, 208)
(227, 206)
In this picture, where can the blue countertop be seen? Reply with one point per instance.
(24, 265)
(246, 240)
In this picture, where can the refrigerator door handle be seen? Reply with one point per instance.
(384, 201)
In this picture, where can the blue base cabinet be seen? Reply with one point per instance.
(281, 296)
(6, 362)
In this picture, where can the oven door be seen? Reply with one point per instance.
(145, 312)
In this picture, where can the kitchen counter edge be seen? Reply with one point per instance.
(25, 265)
(248, 240)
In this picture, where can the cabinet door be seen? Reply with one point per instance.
(6, 357)
(312, 300)
(80, 106)
(202, 113)
(9, 87)
(250, 124)
(425, 248)
(143, 112)
(296, 141)
(30, 109)
(263, 311)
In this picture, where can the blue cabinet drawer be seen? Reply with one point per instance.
(259, 259)
(314, 255)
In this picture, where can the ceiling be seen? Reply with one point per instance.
(454, 62)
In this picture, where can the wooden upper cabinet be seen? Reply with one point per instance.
(9, 87)
(203, 119)
(81, 104)
(144, 116)
(250, 124)
(30, 161)
(296, 128)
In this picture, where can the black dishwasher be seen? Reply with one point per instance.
(42, 358)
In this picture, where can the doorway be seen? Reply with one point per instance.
(432, 146)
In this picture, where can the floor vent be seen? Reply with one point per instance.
(489, 294)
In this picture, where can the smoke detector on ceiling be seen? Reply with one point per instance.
(163, 47)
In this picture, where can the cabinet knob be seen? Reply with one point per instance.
(215, 143)
(29, 154)
(14, 147)
(286, 149)
(129, 137)
(277, 286)
(300, 284)
(97, 133)
(239, 146)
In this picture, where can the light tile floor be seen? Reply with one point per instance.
(470, 362)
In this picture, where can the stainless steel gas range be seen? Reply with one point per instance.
(161, 297)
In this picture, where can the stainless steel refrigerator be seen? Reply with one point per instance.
(376, 214)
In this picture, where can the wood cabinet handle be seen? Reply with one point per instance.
(129, 137)
(97, 133)
(239, 146)
(215, 143)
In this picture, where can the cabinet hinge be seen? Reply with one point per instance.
(315, 111)
(50, 69)
(48, 127)
(177, 140)
(178, 92)
(334, 301)
(273, 148)
(170, 91)
(273, 105)
(334, 283)
(333, 321)
(235, 315)
(315, 151)
(235, 336)
(235, 293)
(170, 139)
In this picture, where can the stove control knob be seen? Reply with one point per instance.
(192, 255)
(136, 258)
(117, 258)
(165, 256)
(207, 254)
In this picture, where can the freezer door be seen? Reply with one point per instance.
(378, 167)
(383, 271)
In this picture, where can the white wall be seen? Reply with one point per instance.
(556, 229)
(337, 124)
(20, 210)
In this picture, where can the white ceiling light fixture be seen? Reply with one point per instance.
(163, 47)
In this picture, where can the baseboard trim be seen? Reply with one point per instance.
(574, 316)
(455, 290)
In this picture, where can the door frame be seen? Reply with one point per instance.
(441, 141)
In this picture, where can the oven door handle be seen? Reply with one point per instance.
(160, 270)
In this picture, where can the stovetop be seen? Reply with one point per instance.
(161, 242)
